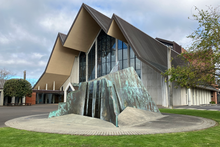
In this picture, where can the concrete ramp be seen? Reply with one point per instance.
(136, 117)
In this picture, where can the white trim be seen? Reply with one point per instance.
(68, 85)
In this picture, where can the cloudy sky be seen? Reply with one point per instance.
(28, 28)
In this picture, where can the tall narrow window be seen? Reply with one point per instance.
(135, 62)
(91, 63)
(82, 67)
(122, 55)
(106, 54)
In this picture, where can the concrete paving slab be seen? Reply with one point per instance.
(83, 125)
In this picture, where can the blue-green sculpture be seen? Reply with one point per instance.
(106, 97)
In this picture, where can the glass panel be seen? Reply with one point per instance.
(138, 64)
(99, 68)
(108, 67)
(125, 64)
(82, 68)
(109, 57)
(120, 54)
(120, 44)
(120, 65)
(139, 73)
(106, 53)
(103, 69)
(132, 63)
(91, 63)
(125, 51)
(112, 65)
(113, 54)
(132, 55)
(125, 54)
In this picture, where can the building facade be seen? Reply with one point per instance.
(93, 46)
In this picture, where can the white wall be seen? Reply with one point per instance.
(74, 76)
(154, 83)
(201, 96)
(157, 88)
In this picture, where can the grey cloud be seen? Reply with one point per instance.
(28, 29)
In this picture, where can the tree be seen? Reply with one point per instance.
(17, 88)
(4, 76)
(204, 53)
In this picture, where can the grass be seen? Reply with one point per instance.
(10, 137)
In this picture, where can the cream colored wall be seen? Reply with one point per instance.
(61, 60)
(115, 32)
(74, 76)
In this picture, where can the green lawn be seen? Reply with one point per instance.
(209, 137)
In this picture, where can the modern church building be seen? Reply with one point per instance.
(92, 47)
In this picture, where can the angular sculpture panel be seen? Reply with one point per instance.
(106, 97)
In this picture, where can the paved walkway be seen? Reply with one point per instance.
(82, 125)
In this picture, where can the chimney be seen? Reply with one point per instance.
(25, 75)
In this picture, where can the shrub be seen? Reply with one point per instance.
(17, 88)
(212, 102)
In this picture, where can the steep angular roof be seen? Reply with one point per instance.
(147, 49)
(100, 18)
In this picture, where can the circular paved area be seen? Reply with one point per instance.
(82, 125)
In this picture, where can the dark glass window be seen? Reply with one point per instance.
(106, 54)
(91, 63)
(82, 67)
(122, 55)
(135, 62)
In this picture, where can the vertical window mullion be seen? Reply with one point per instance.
(116, 50)
(128, 58)
(96, 57)
(86, 67)
(135, 62)
(122, 55)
